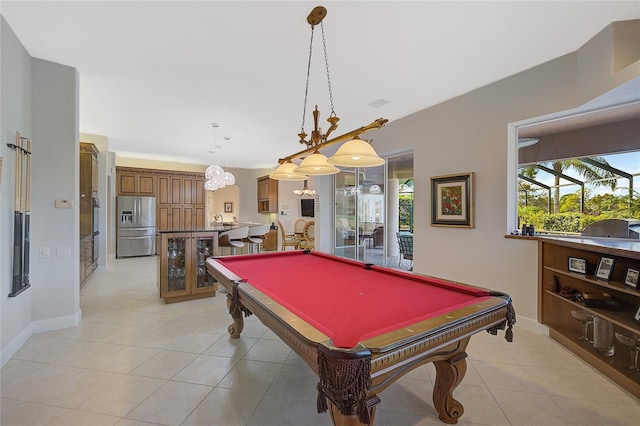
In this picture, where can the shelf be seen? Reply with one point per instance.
(611, 285)
(555, 311)
(622, 317)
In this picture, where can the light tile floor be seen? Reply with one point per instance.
(136, 361)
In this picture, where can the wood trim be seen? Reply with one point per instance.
(159, 172)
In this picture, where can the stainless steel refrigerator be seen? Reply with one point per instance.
(136, 226)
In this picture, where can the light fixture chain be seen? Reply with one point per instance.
(326, 62)
(306, 88)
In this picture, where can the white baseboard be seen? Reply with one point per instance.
(13, 347)
(38, 327)
(57, 323)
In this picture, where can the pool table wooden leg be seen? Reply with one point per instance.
(449, 374)
(340, 419)
(236, 314)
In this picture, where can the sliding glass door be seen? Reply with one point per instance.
(360, 214)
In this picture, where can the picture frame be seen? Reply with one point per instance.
(636, 317)
(577, 264)
(228, 207)
(631, 279)
(605, 268)
(452, 200)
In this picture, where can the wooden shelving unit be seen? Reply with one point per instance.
(555, 311)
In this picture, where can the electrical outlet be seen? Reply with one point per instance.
(44, 251)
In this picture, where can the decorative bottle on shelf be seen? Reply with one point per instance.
(603, 336)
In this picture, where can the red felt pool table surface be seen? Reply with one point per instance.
(346, 301)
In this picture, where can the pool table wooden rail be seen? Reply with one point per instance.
(442, 340)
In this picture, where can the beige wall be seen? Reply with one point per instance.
(472, 133)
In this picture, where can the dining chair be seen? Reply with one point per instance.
(405, 241)
(298, 226)
(288, 239)
(308, 236)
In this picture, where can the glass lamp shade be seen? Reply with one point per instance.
(213, 171)
(316, 165)
(356, 153)
(229, 178)
(210, 185)
(287, 171)
(220, 182)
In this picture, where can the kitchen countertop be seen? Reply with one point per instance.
(225, 226)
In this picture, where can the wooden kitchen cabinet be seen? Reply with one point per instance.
(182, 273)
(169, 190)
(133, 181)
(180, 196)
(88, 184)
(270, 241)
(555, 311)
(87, 264)
(267, 195)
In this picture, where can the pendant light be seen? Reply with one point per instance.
(305, 190)
(316, 164)
(216, 177)
(287, 171)
(356, 153)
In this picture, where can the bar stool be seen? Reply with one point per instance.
(233, 238)
(255, 236)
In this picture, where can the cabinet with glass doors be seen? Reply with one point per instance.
(182, 273)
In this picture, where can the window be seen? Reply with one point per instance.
(582, 168)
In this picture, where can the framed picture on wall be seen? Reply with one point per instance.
(452, 200)
(228, 207)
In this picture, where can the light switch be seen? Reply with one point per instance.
(63, 251)
(44, 251)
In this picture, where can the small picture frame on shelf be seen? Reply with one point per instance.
(636, 317)
(632, 278)
(577, 264)
(605, 268)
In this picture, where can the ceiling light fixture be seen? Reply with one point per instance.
(525, 142)
(216, 177)
(305, 190)
(357, 154)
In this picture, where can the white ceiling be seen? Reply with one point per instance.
(154, 75)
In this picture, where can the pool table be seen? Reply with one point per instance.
(360, 327)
